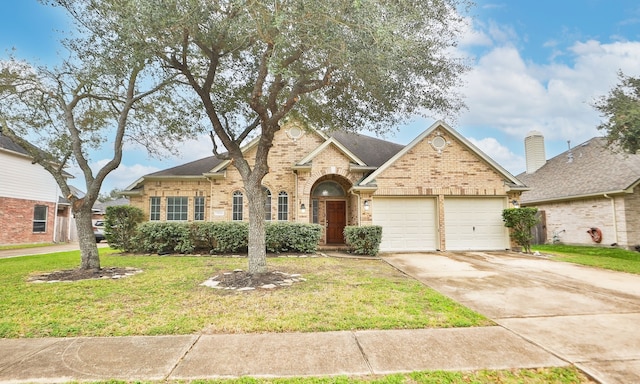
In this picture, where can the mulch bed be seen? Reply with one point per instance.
(85, 274)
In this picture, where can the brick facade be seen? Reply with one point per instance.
(16, 221)
(616, 216)
(455, 170)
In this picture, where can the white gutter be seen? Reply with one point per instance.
(615, 219)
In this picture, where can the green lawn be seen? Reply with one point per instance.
(567, 375)
(608, 258)
(167, 299)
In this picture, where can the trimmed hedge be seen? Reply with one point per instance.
(363, 240)
(224, 237)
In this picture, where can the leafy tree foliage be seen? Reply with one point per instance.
(120, 226)
(251, 65)
(621, 109)
(521, 221)
(104, 94)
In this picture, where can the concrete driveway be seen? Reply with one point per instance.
(587, 316)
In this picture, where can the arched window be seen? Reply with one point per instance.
(283, 206)
(237, 206)
(328, 188)
(267, 203)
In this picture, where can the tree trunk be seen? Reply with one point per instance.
(89, 258)
(257, 250)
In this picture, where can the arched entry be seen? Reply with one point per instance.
(329, 207)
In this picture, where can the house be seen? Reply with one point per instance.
(589, 194)
(439, 192)
(31, 209)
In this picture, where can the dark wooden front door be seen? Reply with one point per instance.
(336, 221)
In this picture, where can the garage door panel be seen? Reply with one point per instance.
(475, 224)
(408, 224)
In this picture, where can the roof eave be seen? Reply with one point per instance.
(575, 197)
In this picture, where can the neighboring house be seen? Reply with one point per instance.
(100, 208)
(587, 187)
(31, 209)
(439, 192)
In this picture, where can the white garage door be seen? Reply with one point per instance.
(474, 224)
(408, 224)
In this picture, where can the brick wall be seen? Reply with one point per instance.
(454, 171)
(577, 216)
(16, 221)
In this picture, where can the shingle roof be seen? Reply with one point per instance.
(373, 151)
(193, 168)
(8, 144)
(587, 169)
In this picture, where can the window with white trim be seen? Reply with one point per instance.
(40, 218)
(267, 203)
(154, 208)
(283, 206)
(177, 208)
(237, 205)
(198, 208)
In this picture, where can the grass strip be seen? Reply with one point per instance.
(615, 259)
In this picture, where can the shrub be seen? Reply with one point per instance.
(363, 240)
(521, 221)
(292, 237)
(224, 237)
(221, 237)
(163, 238)
(120, 223)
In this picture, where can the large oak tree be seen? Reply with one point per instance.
(335, 64)
(103, 95)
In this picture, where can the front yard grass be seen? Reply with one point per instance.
(615, 259)
(167, 298)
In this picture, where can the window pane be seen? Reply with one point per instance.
(314, 211)
(237, 206)
(40, 218)
(267, 203)
(177, 208)
(328, 188)
(198, 208)
(155, 209)
(283, 206)
(40, 212)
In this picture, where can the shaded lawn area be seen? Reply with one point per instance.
(615, 259)
(167, 298)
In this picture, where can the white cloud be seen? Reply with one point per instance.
(514, 96)
(499, 153)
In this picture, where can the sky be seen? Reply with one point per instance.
(535, 65)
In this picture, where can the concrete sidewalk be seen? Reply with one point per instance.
(266, 355)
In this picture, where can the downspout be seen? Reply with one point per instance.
(615, 219)
(55, 216)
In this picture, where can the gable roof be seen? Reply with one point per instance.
(588, 169)
(514, 183)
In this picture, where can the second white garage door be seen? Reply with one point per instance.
(408, 224)
(474, 224)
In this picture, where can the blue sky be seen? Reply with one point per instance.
(536, 65)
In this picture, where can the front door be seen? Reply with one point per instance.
(336, 221)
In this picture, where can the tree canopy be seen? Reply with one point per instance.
(621, 109)
(251, 65)
(104, 94)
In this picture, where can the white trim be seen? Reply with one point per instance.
(324, 145)
(441, 125)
